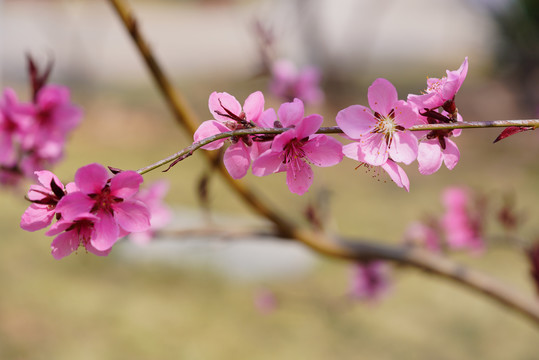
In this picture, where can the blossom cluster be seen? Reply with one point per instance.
(380, 133)
(33, 135)
(94, 211)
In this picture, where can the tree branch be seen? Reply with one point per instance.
(329, 246)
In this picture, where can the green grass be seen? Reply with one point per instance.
(85, 307)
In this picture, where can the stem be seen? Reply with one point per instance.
(316, 241)
(184, 153)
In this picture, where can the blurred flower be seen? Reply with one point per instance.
(265, 301)
(289, 83)
(370, 281)
(294, 150)
(418, 233)
(462, 228)
(160, 214)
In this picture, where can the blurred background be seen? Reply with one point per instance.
(183, 298)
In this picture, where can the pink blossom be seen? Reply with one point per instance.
(462, 228)
(75, 233)
(370, 281)
(44, 198)
(266, 301)
(380, 132)
(54, 116)
(14, 124)
(289, 83)
(293, 150)
(439, 91)
(112, 200)
(422, 234)
(396, 173)
(229, 115)
(160, 214)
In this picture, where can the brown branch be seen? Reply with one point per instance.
(355, 251)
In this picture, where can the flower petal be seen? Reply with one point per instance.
(254, 105)
(291, 113)
(308, 126)
(268, 163)
(106, 231)
(237, 160)
(218, 102)
(73, 205)
(397, 174)
(429, 157)
(404, 147)
(451, 154)
(299, 176)
(323, 150)
(210, 128)
(132, 216)
(356, 121)
(92, 178)
(382, 96)
(64, 244)
(36, 217)
(125, 184)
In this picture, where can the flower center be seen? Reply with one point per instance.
(387, 126)
(104, 200)
(293, 151)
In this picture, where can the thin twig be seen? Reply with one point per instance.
(355, 251)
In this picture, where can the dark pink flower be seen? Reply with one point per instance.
(294, 150)
(44, 198)
(439, 91)
(73, 234)
(370, 281)
(289, 83)
(381, 132)
(160, 213)
(112, 200)
(463, 229)
(229, 115)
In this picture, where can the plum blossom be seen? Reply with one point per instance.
(370, 281)
(289, 83)
(381, 132)
(111, 200)
(294, 150)
(443, 90)
(463, 229)
(229, 115)
(160, 214)
(73, 234)
(44, 198)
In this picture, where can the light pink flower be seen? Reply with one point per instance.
(229, 115)
(370, 281)
(441, 90)
(265, 301)
(73, 234)
(160, 214)
(462, 229)
(380, 132)
(289, 83)
(112, 200)
(44, 198)
(294, 150)
(396, 173)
